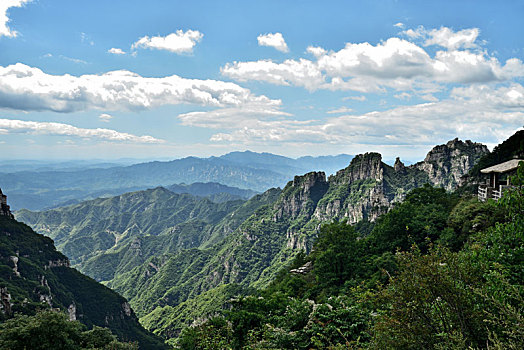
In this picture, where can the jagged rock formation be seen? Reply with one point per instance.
(446, 164)
(399, 166)
(356, 192)
(4, 208)
(300, 196)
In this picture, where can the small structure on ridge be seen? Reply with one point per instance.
(499, 179)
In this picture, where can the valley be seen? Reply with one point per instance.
(178, 257)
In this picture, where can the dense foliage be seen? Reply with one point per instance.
(436, 272)
(35, 276)
(53, 330)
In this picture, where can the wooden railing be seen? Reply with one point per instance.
(485, 192)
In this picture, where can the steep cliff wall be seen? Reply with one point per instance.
(445, 164)
(34, 275)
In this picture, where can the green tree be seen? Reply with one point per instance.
(52, 330)
(337, 255)
(420, 219)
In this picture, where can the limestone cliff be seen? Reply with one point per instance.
(355, 192)
(445, 164)
(5, 210)
(368, 187)
(301, 195)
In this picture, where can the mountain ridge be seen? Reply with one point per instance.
(37, 190)
(34, 275)
(275, 231)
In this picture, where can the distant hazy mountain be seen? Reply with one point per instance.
(11, 166)
(214, 191)
(36, 190)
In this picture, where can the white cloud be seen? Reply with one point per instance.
(74, 60)
(316, 51)
(179, 42)
(275, 40)
(116, 51)
(232, 117)
(46, 128)
(399, 25)
(84, 38)
(355, 98)
(30, 89)
(104, 117)
(446, 37)
(480, 112)
(291, 72)
(4, 19)
(403, 96)
(396, 63)
(340, 110)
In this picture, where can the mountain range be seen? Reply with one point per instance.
(165, 251)
(36, 190)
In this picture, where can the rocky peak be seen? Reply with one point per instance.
(300, 196)
(399, 166)
(445, 164)
(363, 166)
(5, 210)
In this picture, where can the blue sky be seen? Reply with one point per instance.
(167, 79)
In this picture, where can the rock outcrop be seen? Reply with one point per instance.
(368, 187)
(5, 302)
(355, 192)
(301, 195)
(5, 210)
(446, 164)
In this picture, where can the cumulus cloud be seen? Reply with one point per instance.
(4, 19)
(178, 42)
(446, 37)
(275, 40)
(116, 51)
(396, 63)
(46, 128)
(479, 112)
(104, 117)
(399, 25)
(27, 88)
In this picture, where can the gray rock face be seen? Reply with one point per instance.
(355, 192)
(5, 301)
(362, 167)
(300, 196)
(4, 208)
(71, 310)
(399, 166)
(368, 187)
(445, 164)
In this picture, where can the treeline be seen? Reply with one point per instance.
(436, 272)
